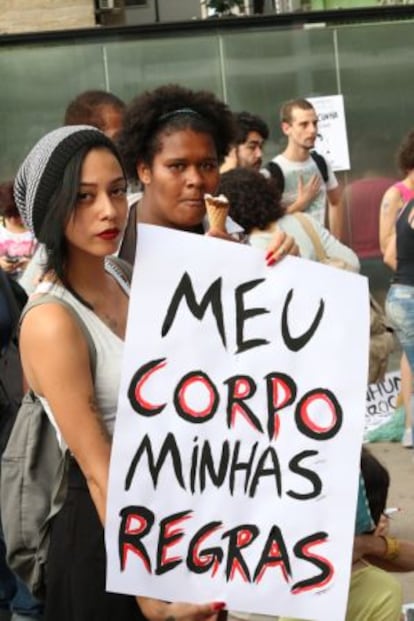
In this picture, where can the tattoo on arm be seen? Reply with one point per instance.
(93, 406)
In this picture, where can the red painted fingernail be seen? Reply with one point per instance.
(268, 254)
(218, 606)
(271, 262)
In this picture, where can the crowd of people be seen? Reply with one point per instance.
(70, 225)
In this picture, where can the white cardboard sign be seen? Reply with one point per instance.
(382, 400)
(332, 140)
(236, 450)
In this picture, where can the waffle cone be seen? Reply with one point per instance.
(217, 214)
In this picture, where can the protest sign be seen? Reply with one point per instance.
(382, 400)
(236, 449)
(332, 139)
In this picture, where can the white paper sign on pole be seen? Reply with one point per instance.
(332, 140)
(236, 450)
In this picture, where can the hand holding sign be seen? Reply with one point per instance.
(156, 610)
(280, 246)
(238, 403)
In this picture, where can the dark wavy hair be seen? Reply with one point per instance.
(246, 123)
(377, 481)
(61, 205)
(88, 108)
(151, 115)
(254, 199)
(8, 208)
(405, 153)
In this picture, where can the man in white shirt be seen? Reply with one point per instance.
(304, 186)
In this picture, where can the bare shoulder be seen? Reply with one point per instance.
(53, 347)
(392, 194)
(49, 322)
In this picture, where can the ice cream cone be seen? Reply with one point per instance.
(217, 208)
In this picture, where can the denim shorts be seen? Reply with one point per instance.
(399, 307)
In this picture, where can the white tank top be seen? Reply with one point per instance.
(109, 349)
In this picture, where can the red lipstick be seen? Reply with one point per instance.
(109, 234)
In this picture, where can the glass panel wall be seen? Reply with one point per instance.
(136, 66)
(254, 69)
(264, 68)
(37, 82)
(375, 66)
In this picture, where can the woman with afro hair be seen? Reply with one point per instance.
(173, 141)
(255, 205)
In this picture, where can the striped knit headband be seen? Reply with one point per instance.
(43, 169)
